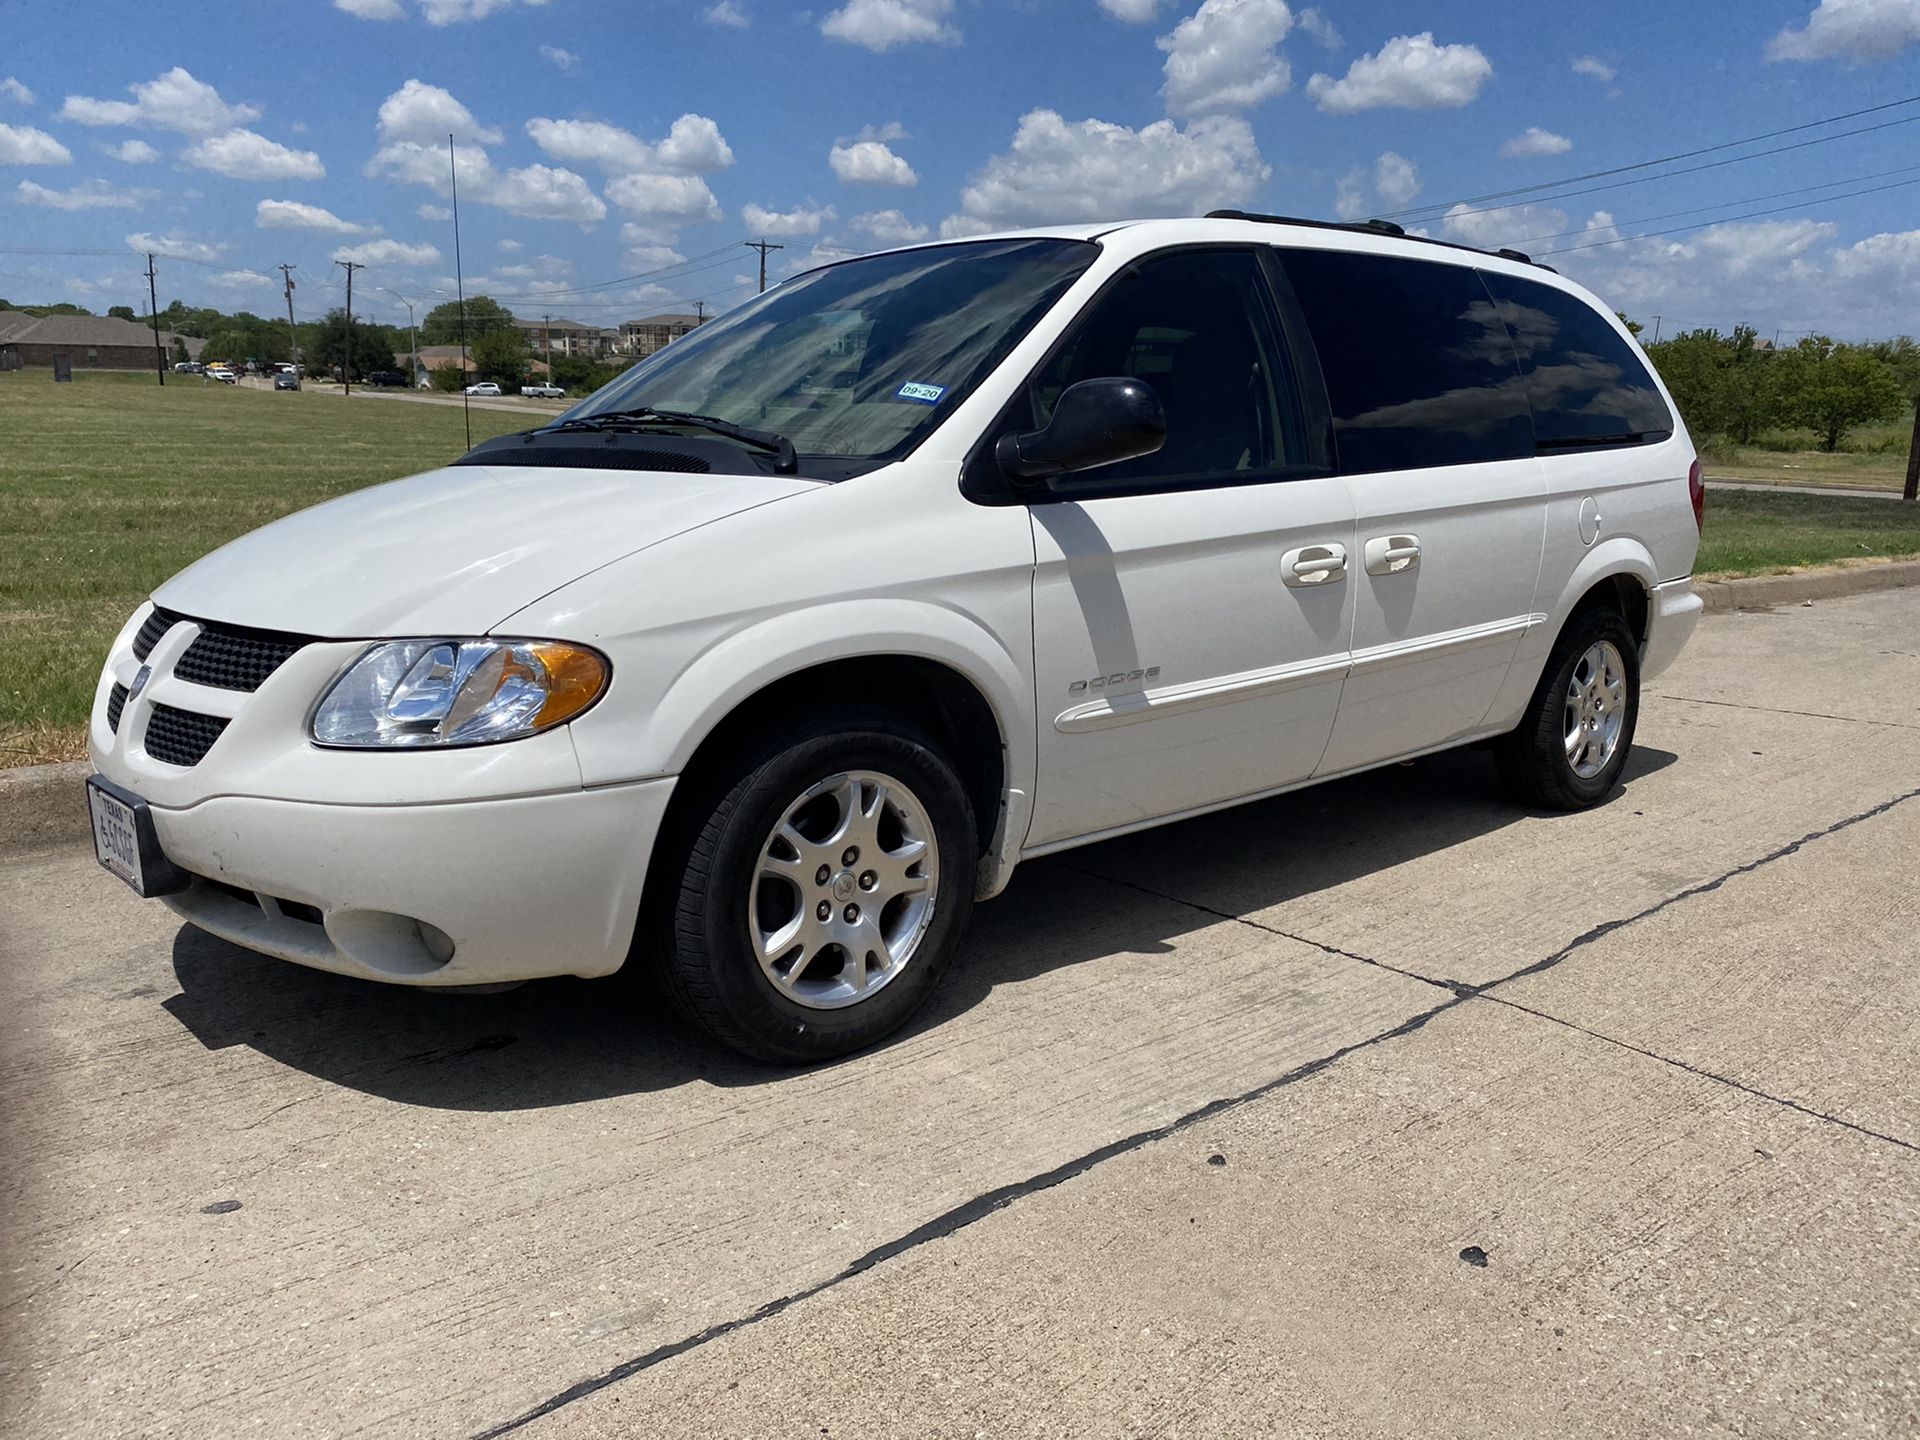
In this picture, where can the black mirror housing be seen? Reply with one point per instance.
(1095, 422)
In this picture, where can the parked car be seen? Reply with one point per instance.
(224, 375)
(286, 380)
(765, 683)
(386, 378)
(485, 387)
(543, 392)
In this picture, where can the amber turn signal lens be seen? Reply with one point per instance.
(575, 678)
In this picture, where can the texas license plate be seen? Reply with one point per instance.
(116, 836)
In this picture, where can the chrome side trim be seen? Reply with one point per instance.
(1115, 710)
(1425, 647)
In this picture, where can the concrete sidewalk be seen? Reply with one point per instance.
(1653, 1063)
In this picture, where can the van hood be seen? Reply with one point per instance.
(451, 552)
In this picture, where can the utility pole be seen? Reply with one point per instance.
(762, 245)
(700, 311)
(546, 343)
(153, 308)
(413, 338)
(346, 372)
(1912, 492)
(1656, 329)
(293, 335)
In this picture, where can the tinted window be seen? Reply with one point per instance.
(1588, 385)
(1418, 365)
(1194, 325)
(862, 358)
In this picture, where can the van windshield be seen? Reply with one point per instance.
(860, 360)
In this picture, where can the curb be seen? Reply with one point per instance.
(43, 807)
(1759, 592)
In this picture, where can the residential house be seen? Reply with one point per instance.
(90, 342)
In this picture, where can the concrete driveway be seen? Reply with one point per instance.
(1382, 1109)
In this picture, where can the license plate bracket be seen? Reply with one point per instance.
(126, 843)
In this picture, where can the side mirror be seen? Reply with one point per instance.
(1096, 422)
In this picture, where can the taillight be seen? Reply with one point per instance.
(1697, 492)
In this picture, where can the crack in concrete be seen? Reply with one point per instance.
(1804, 714)
(970, 1212)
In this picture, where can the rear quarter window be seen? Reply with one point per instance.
(1589, 387)
(1420, 370)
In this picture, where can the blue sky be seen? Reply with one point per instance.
(614, 153)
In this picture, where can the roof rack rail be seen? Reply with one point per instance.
(1376, 227)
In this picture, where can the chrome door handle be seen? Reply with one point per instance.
(1314, 565)
(1392, 554)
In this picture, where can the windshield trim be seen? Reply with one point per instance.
(842, 465)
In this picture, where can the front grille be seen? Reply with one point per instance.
(116, 702)
(180, 737)
(232, 658)
(151, 629)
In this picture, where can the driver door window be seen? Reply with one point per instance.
(1194, 325)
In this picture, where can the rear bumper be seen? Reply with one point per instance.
(453, 894)
(1673, 612)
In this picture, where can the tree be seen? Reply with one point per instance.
(442, 323)
(121, 312)
(1634, 327)
(180, 356)
(448, 376)
(501, 355)
(1830, 388)
(326, 346)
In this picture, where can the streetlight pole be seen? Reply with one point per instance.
(413, 338)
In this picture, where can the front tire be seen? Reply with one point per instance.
(1571, 745)
(824, 890)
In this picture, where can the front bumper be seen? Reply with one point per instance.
(1672, 614)
(456, 894)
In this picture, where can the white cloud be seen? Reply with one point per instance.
(646, 252)
(692, 146)
(297, 215)
(1393, 181)
(1093, 170)
(93, 195)
(1892, 257)
(455, 12)
(133, 152)
(1131, 12)
(24, 145)
(1409, 72)
(665, 201)
(426, 115)
(802, 220)
(727, 13)
(439, 214)
(15, 91)
(1225, 56)
(372, 9)
(1852, 30)
(1535, 141)
(173, 101)
(695, 146)
(564, 61)
(243, 280)
(248, 155)
(888, 227)
(508, 247)
(1312, 22)
(176, 247)
(389, 252)
(883, 24)
(1593, 66)
(870, 162)
(546, 192)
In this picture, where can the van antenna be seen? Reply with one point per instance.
(460, 292)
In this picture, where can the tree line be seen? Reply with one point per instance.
(1738, 388)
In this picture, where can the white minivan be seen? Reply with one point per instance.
(763, 663)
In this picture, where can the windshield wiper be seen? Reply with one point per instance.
(642, 418)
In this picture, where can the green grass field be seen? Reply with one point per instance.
(111, 484)
(1875, 458)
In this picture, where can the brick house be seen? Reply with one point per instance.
(90, 342)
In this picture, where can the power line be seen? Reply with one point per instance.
(1681, 155)
(1724, 220)
(1729, 204)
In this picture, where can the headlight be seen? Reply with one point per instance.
(414, 693)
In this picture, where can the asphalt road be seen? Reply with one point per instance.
(1194, 1143)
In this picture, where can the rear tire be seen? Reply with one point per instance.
(1572, 743)
(758, 935)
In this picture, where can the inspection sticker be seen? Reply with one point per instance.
(927, 394)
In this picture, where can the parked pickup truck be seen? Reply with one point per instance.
(542, 392)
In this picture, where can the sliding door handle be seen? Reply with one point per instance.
(1314, 565)
(1392, 554)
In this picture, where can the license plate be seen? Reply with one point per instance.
(116, 837)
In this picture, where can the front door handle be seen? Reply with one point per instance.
(1314, 565)
(1393, 554)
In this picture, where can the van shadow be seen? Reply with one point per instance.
(560, 1042)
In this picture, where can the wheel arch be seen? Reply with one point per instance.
(1618, 573)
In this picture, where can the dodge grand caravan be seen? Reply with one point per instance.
(764, 663)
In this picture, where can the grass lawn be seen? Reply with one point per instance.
(1878, 460)
(112, 483)
(1752, 532)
